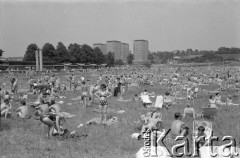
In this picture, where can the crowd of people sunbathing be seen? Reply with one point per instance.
(182, 84)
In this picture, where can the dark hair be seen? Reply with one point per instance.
(167, 93)
(23, 102)
(177, 115)
(211, 96)
(6, 100)
(217, 93)
(201, 129)
(103, 86)
(52, 102)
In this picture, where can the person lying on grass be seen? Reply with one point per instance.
(6, 108)
(103, 94)
(22, 111)
(178, 127)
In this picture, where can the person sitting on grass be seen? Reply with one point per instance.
(218, 99)
(189, 111)
(154, 121)
(23, 96)
(167, 100)
(178, 127)
(200, 139)
(212, 102)
(230, 101)
(6, 108)
(136, 97)
(103, 94)
(22, 111)
(145, 99)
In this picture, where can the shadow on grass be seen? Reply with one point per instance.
(5, 124)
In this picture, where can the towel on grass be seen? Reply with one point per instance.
(77, 98)
(95, 121)
(159, 102)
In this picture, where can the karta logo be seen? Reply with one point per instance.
(154, 145)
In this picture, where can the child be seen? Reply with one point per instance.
(6, 108)
(154, 122)
(64, 87)
(22, 111)
(200, 138)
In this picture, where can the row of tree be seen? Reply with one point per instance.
(74, 53)
(205, 55)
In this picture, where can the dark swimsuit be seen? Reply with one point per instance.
(103, 102)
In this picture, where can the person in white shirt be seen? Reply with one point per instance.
(145, 99)
(189, 111)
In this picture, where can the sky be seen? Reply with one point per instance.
(168, 25)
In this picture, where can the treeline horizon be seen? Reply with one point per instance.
(74, 53)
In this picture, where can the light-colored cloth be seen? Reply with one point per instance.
(110, 122)
(146, 99)
(189, 111)
(66, 115)
(77, 98)
(159, 102)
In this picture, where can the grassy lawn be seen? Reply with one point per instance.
(28, 138)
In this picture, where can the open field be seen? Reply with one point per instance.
(28, 138)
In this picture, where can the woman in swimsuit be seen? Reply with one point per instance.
(103, 94)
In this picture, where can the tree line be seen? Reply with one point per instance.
(74, 53)
(205, 55)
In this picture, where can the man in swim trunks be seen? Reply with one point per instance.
(84, 90)
(178, 127)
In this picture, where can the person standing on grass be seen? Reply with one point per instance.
(14, 86)
(84, 91)
(103, 94)
(189, 111)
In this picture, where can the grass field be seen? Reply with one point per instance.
(28, 138)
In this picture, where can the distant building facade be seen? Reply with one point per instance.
(140, 51)
(115, 47)
(120, 50)
(124, 52)
(101, 46)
